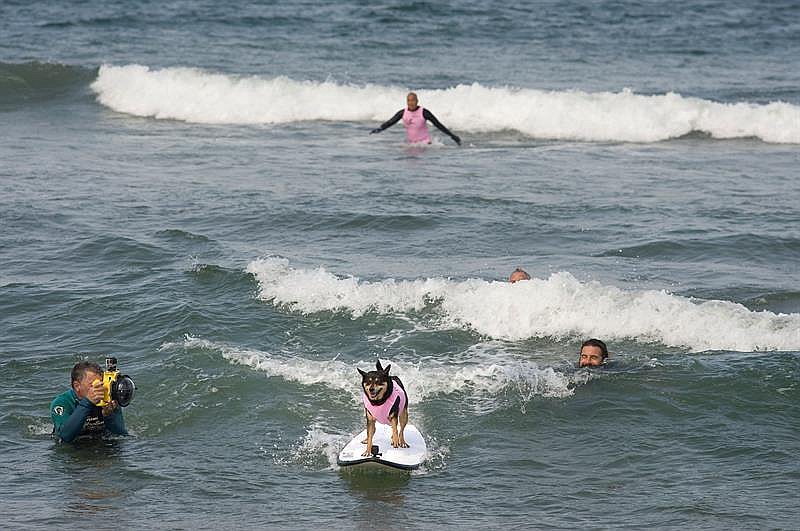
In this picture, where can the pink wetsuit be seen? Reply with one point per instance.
(381, 412)
(416, 128)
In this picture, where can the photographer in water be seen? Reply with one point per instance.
(92, 404)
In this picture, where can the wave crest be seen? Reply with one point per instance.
(484, 376)
(197, 96)
(558, 307)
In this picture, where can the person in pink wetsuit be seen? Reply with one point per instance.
(414, 118)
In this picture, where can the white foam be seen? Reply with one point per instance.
(333, 374)
(557, 307)
(40, 426)
(318, 441)
(197, 96)
(320, 290)
(484, 374)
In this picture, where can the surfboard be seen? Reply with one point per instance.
(383, 455)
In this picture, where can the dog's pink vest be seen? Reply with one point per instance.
(381, 412)
(416, 128)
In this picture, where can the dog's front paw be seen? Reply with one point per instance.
(366, 453)
(404, 444)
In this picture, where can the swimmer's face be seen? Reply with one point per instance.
(411, 101)
(590, 356)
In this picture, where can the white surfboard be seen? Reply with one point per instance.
(384, 455)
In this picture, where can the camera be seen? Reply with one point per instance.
(119, 387)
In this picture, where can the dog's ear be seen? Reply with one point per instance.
(361, 372)
(386, 370)
(378, 365)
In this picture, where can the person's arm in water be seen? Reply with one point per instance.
(68, 423)
(114, 421)
(428, 115)
(388, 123)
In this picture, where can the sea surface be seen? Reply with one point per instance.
(192, 187)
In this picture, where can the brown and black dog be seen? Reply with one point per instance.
(385, 401)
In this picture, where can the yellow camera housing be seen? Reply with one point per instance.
(115, 386)
(109, 377)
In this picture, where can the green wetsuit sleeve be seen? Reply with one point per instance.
(115, 423)
(68, 425)
(393, 120)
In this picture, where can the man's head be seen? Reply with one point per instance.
(411, 101)
(83, 374)
(517, 275)
(593, 353)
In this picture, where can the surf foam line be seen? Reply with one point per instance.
(557, 307)
(198, 96)
(486, 375)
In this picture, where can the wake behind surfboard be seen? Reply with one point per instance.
(383, 455)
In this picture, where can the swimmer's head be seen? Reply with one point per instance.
(593, 353)
(83, 376)
(517, 275)
(412, 101)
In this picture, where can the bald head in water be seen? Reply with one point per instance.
(517, 275)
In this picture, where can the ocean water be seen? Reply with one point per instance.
(191, 186)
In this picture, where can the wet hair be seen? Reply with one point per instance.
(596, 343)
(82, 367)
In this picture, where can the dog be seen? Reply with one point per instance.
(385, 401)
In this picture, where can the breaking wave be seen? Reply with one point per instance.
(485, 375)
(198, 96)
(557, 307)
